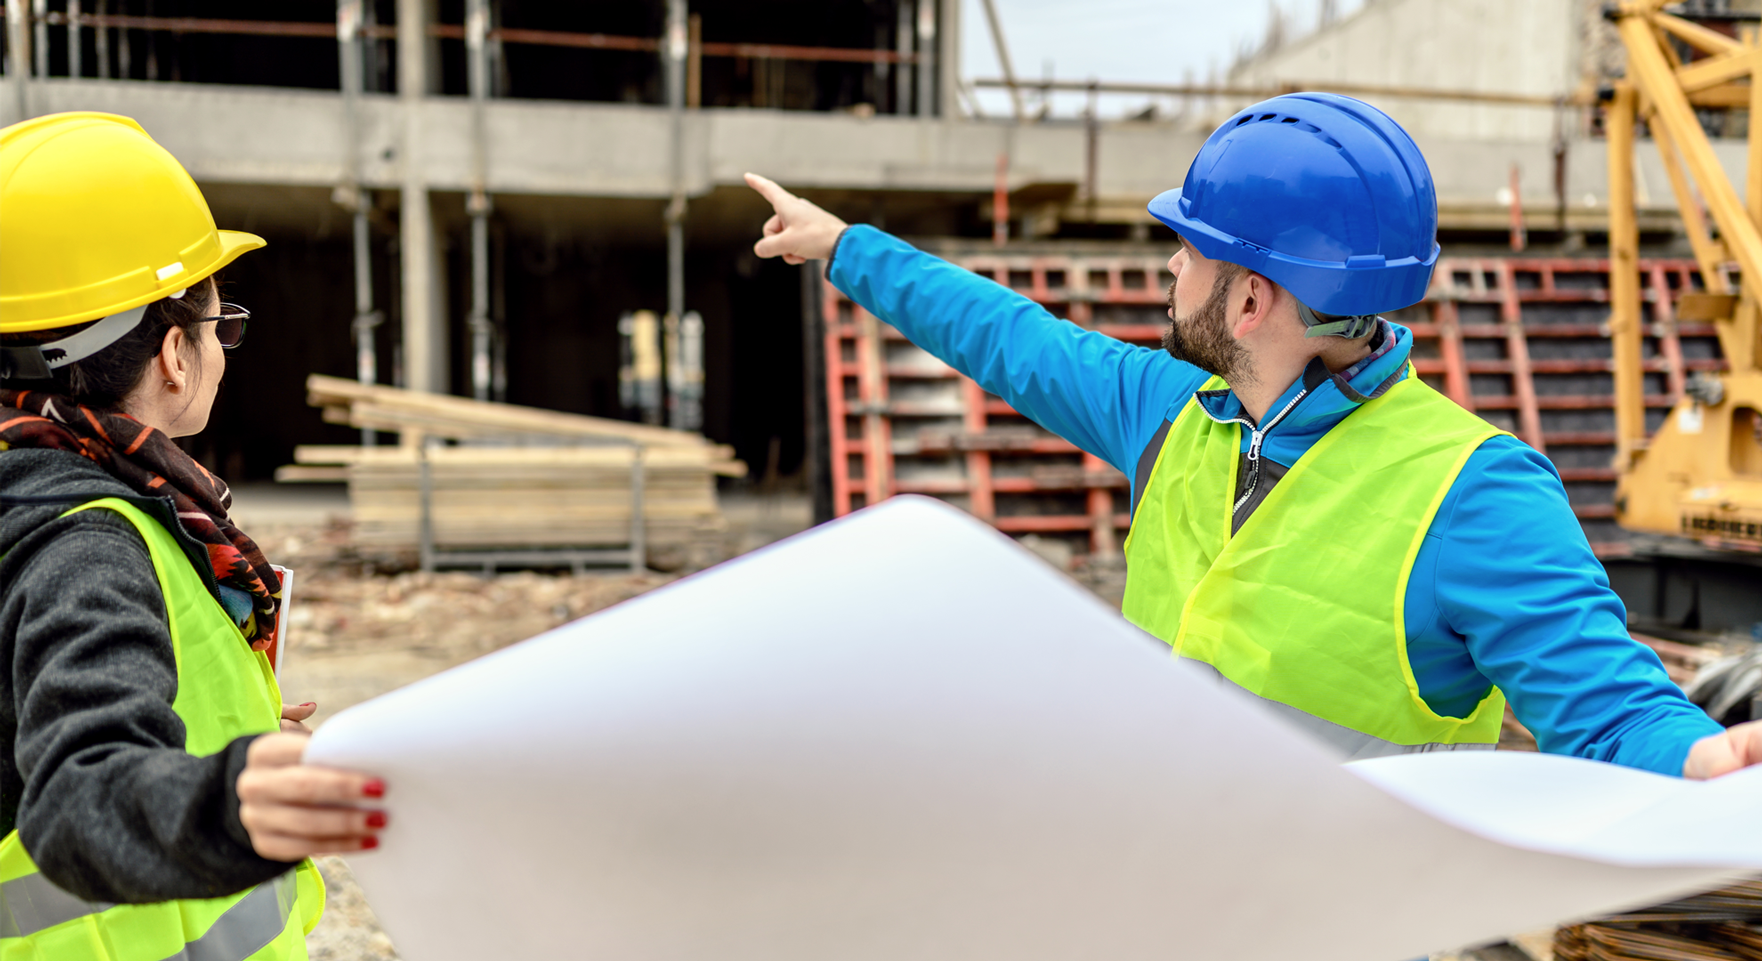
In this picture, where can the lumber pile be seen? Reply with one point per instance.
(510, 477)
(408, 412)
(1722, 925)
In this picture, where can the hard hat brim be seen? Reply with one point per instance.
(232, 243)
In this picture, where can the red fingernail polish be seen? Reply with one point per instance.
(374, 788)
(368, 844)
(376, 819)
(310, 704)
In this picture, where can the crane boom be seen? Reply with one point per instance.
(1700, 475)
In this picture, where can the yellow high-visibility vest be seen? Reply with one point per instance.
(225, 691)
(1304, 606)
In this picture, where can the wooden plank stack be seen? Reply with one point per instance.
(521, 478)
(1722, 925)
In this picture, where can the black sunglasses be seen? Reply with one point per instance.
(229, 325)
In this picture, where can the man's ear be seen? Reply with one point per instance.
(1254, 306)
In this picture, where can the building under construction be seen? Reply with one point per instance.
(512, 200)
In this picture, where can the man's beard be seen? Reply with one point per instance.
(1206, 342)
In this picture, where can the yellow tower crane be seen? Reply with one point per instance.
(1700, 476)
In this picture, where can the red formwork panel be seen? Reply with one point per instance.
(1522, 342)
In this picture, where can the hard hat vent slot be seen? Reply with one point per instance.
(169, 270)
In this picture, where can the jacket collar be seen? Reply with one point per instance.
(1318, 400)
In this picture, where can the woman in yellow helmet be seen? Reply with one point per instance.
(153, 802)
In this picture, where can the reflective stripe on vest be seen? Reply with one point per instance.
(32, 904)
(1304, 606)
(224, 691)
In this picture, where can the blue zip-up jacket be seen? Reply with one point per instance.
(1505, 590)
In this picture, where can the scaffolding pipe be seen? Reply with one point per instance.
(40, 36)
(352, 195)
(101, 43)
(675, 51)
(75, 60)
(1212, 90)
(926, 58)
(685, 372)
(482, 332)
(902, 74)
(18, 57)
(366, 318)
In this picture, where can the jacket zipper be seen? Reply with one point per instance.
(1256, 437)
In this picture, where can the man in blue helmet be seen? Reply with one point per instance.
(1311, 523)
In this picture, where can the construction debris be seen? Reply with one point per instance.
(1722, 925)
(485, 476)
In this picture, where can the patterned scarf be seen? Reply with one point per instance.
(147, 460)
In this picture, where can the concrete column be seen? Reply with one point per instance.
(425, 325)
(948, 47)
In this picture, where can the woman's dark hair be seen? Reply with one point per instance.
(105, 378)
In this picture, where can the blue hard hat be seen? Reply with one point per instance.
(1324, 195)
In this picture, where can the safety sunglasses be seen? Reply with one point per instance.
(229, 325)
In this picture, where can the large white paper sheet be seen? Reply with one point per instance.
(900, 736)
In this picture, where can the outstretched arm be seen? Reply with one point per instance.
(1106, 396)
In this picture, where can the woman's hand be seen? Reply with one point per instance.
(292, 811)
(1737, 747)
(293, 717)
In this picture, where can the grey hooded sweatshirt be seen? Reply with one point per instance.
(96, 780)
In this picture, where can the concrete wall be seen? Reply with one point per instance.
(1503, 46)
(264, 136)
(277, 136)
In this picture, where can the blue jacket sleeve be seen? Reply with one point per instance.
(1518, 582)
(1106, 396)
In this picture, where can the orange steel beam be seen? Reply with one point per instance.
(1709, 252)
(1624, 277)
(1517, 351)
(454, 31)
(277, 28)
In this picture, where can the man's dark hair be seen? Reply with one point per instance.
(105, 378)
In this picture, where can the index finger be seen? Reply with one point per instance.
(768, 189)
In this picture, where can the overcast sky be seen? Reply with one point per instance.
(1156, 41)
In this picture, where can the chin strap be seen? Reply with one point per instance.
(1328, 325)
(38, 361)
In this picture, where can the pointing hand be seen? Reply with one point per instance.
(799, 230)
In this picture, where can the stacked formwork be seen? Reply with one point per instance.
(900, 421)
(1525, 344)
(1522, 342)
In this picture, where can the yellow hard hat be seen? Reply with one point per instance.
(96, 218)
